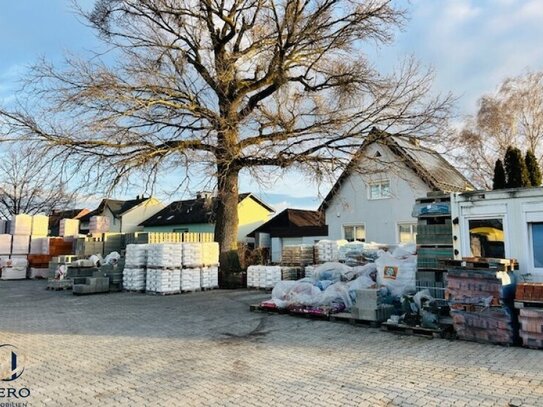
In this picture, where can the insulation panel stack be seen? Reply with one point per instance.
(209, 277)
(163, 281)
(21, 225)
(190, 279)
(5, 244)
(40, 225)
(99, 224)
(69, 227)
(21, 244)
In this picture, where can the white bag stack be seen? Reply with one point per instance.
(14, 269)
(21, 244)
(40, 225)
(328, 250)
(166, 281)
(210, 253)
(263, 276)
(21, 224)
(136, 255)
(69, 227)
(190, 279)
(134, 278)
(5, 244)
(309, 270)
(99, 224)
(209, 277)
(38, 273)
(165, 255)
(193, 254)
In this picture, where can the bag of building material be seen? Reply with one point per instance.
(369, 270)
(112, 258)
(337, 293)
(331, 271)
(399, 275)
(287, 293)
(404, 250)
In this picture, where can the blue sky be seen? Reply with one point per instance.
(471, 44)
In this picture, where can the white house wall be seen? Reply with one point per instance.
(140, 213)
(351, 204)
(517, 209)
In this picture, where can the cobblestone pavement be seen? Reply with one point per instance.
(208, 349)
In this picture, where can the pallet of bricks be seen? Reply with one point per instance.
(480, 293)
(529, 302)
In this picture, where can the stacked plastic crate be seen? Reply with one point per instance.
(135, 271)
(164, 268)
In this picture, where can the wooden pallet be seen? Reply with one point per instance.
(412, 330)
(348, 317)
(528, 304)
(191, 291)
(163, 293)
(260, 308)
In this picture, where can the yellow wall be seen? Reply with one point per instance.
(251, 215)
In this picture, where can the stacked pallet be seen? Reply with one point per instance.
(40, 225)
(193, 254)
(529, 298)
(69, 227)
(327, 251)
(135, 270)
(20, 244)
(98, 224)
(210, 253)
(263, 276)
(136, 255)
(209, 277)
(21, 225)
(291, 273)
(5, 245)
(480, 292)
(163, 281)
(14, 268)
(191, 279)
(299, 255)
(165, 255)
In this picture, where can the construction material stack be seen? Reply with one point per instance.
(135, 269)
(327, 250)
(164, 262)
(529, 301)
(480, 293)
(299, 255)
(69, 227)
(209, 273)
(13, 269)
(263, 276)
(434, 240)
(98, 224)
(369, 305)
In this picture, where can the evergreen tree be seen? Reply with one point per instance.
(516, 173)
(498, 181)
(534, 171)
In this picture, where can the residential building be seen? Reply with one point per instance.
(124, 216)
(290, 227)
(373, 198)
(198, 215)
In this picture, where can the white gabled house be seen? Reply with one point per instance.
(373, 198)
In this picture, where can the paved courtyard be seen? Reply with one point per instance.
(208, 349)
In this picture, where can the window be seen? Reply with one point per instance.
(537, 243)
(353, 233)
(379, 190)
(407, 232)
(487, 238)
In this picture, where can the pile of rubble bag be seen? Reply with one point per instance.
(332, 287)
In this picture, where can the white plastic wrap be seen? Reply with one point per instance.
(399, 275)
(163, 280)
(336, 293)
(263, 276)
(287, 293)
(134, 278)
(331, 271)
(136, 255)
(165, 255)
(190, 279)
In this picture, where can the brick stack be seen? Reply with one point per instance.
(531, 319)
(480, 304)
(300, 255)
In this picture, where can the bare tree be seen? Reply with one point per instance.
(228, 86)
(513, 116)
(30, 184)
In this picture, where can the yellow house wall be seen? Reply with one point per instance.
(251, 215)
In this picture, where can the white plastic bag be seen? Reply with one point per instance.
(331, 271)
(399, 275)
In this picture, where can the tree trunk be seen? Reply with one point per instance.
(226, 224)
